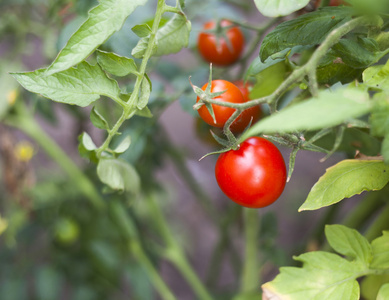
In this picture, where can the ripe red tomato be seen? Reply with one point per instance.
(254, 175)
(222, 113)
(232, 95)
(252, 113)
(216, 50)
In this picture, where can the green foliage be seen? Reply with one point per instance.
(81, 85)
(329, 109)
(99, 26)
(118, 175)
(115, 64)
(327, 275)
(307, 30)
(346, 179)
(279, 7)
(170, 38)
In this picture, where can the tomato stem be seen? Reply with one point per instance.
(250, 280)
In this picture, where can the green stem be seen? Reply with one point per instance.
(130, 108)
(26, 123)
(129, 231)
(175, 254)
(251, 275)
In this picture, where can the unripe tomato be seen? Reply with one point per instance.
(215, 49)
(254, 175)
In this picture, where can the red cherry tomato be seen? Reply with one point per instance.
(215, 49)
(251, 114)
(254, 175)
(222, 113)
(232, 94)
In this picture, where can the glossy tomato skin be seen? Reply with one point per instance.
(251, 114)
(222, 113)
(253, 176)
(215, 49)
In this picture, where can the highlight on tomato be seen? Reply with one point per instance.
(214, 47)
(254, 175)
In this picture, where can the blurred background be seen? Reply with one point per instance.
(55, 245)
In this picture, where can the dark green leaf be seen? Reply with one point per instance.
(105, 19)
(358, 54)
(306, 30)
(115, 64)
(346, 179)
(80, 85)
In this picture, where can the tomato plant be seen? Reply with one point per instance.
(232, 94)
(223, 47)
(254, 175)
(320, 73)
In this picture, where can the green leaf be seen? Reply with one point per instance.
(379, 118)
(87, 147)
(103, 20)
(337, 71)
(141, 30)
(350, 243)
(384, 292)
(123, 145)
(268, 80)
(145, 92)
(144, 112)
(329, 109)
(377, 77)
(98, 120)
(346, 179)
(307, 30)
(80, 85)
(276, 8)
(170, 38)
(358, 54)
(258, 66)
(381, 252)
(323, 276)
(115, 64)
(118, 175)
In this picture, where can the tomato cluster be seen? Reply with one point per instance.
(254, 175)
